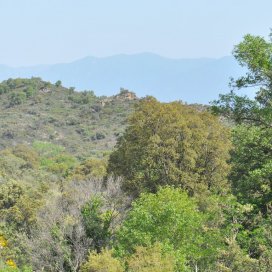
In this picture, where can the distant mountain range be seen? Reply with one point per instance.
(189, 80)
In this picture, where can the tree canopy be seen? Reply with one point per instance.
(171, 218)
(255, 54)
(251, 161)
(174, 144)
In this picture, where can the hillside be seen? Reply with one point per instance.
(190, 80)
(32, 110)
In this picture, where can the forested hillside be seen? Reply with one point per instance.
(120, 184)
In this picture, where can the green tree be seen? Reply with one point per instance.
(97, 222)
(251, 157)
(171, 218)
(252, 166)
(171, 143)
(58, 83)
(255, 54)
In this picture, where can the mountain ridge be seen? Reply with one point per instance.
(191, 80)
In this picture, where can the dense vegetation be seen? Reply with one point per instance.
(185, 188)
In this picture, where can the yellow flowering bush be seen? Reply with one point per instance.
(11, 263)
(3, 242)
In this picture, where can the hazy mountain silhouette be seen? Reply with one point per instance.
(190, 80)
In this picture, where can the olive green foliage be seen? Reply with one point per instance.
(42, 151)
(28, 154)
(77, 216)
(234, 259)
(103, 262)
(18, 205)
(90, 168)
(174, 144)
(265, 261)
(145, 259)
(151, 259)
(24, 186)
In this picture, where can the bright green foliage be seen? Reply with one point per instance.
(174, 144)
(171, 218)
(54, 158)
(103, 262)
(47, 149)
(151, 259)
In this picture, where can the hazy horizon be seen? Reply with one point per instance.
(112, 56)
(196, 80)
(50, 32)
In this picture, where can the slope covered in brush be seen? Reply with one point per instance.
(32, 111)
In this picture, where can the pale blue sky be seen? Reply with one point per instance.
(53, 31)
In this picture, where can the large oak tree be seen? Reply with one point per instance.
(172, 144)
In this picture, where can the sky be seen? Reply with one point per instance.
(54, 31)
